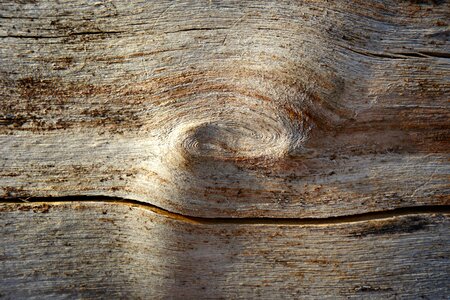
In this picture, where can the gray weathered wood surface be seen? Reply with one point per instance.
(278, 110)
(230, 108)
(92, 249)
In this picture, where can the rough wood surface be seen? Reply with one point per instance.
(228, 108)
(90, 249)
(225, 110)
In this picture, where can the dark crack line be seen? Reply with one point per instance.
(368, 216)
(399, 55)
(435, 54)
(197, 29)
(61, 36)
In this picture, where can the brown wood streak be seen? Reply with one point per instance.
(230, 109)
(90, 249)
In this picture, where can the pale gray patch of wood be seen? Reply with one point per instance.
(92, 250)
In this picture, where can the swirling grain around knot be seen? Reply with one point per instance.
(239, 131)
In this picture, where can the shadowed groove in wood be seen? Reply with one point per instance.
(376, 215)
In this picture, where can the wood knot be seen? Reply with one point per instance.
(238, 136)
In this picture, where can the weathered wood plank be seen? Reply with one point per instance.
(230, 108)
(89, 249)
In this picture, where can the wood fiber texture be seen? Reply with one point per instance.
(90, 250)
(228, 108)
(246, 149)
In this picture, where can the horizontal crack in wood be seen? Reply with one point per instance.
(375, 215)
(60, 36)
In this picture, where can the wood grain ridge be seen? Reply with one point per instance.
(88, 249)
(228, 108)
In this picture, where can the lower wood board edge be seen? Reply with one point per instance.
(90, 250)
